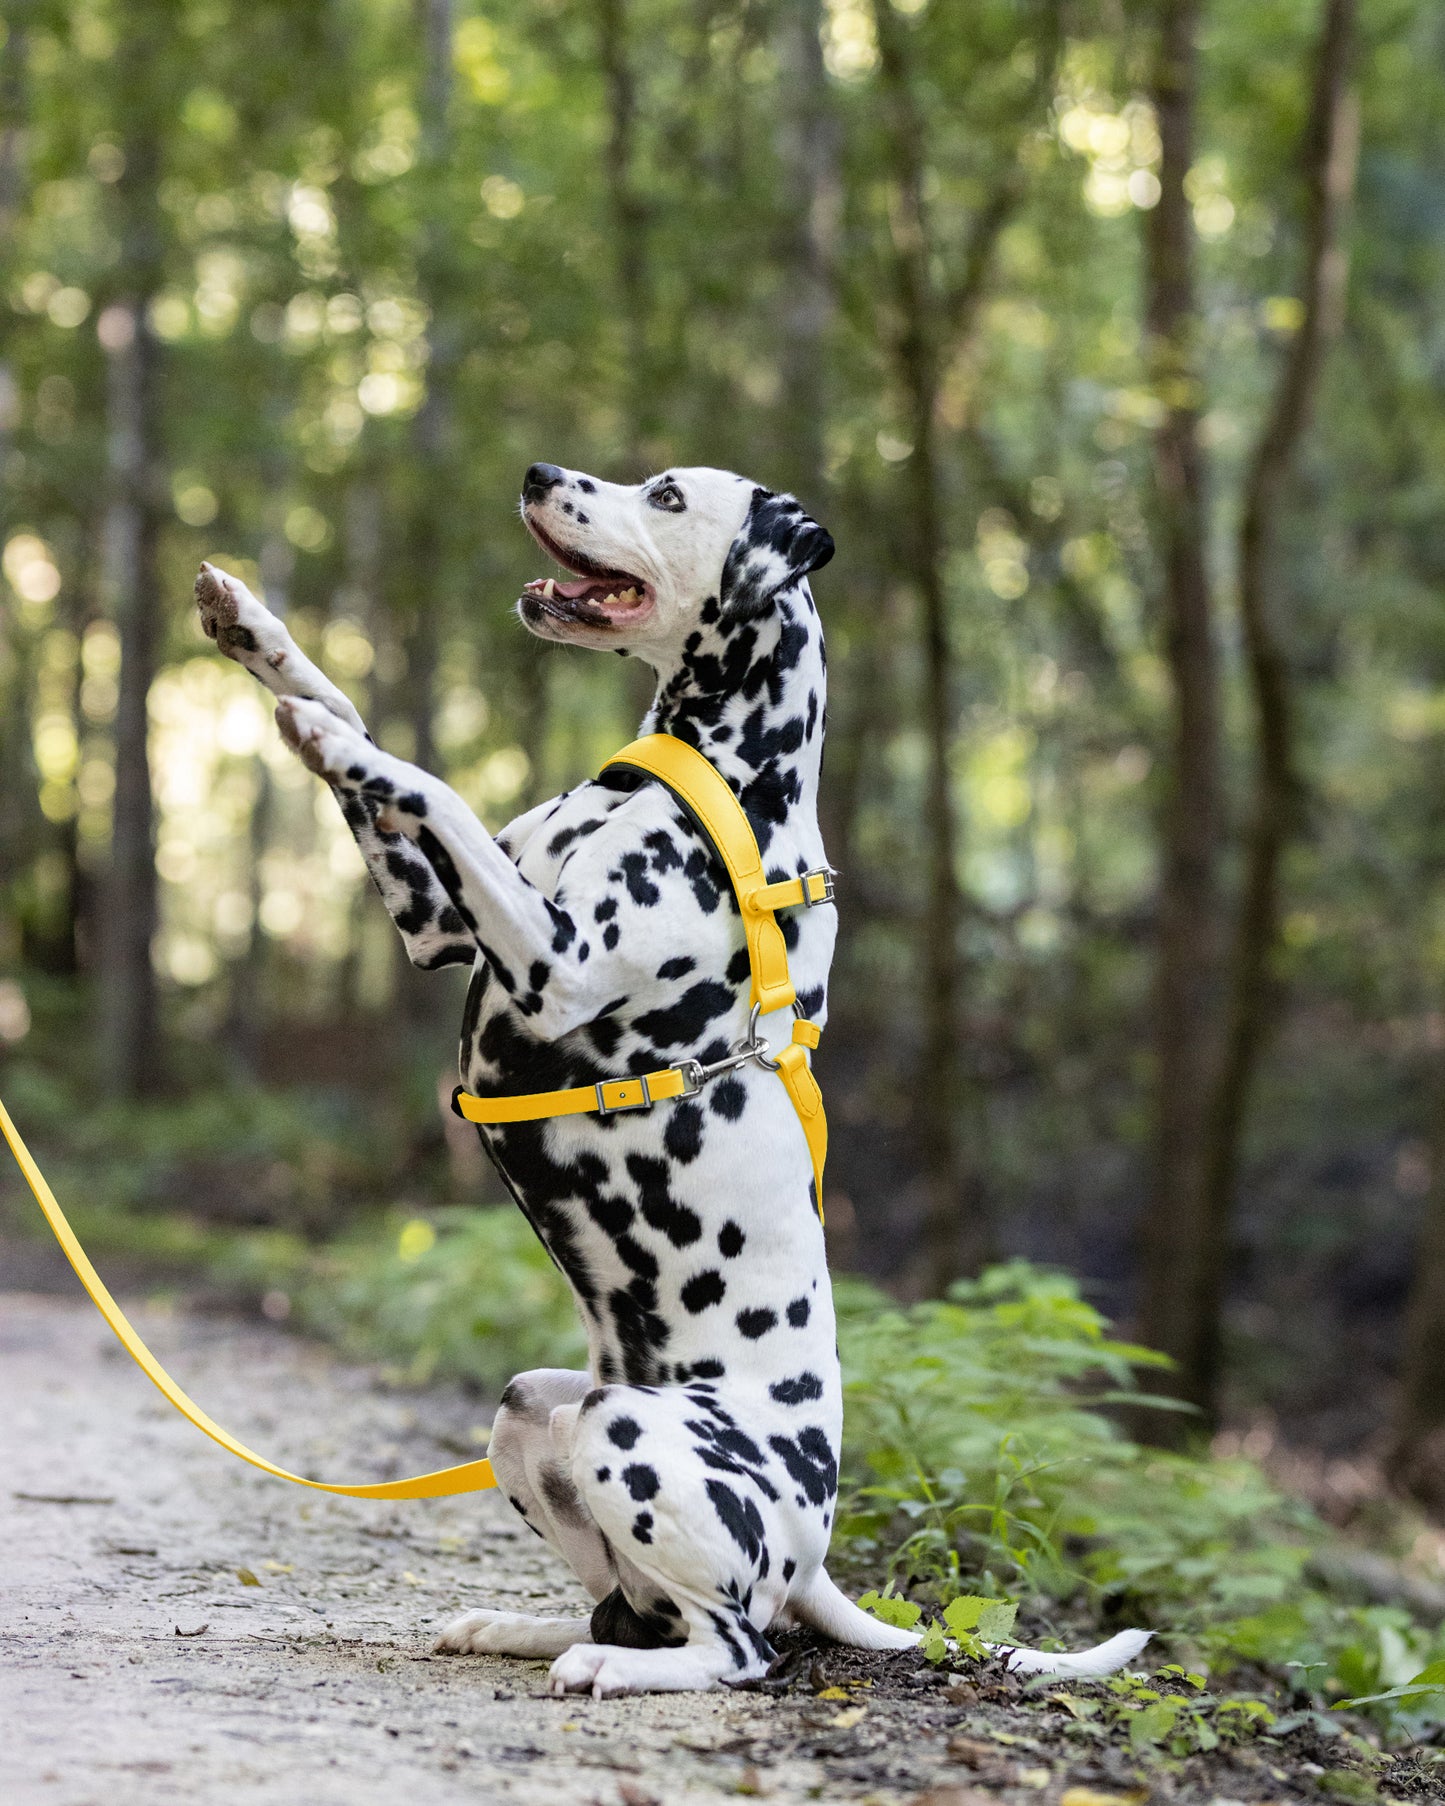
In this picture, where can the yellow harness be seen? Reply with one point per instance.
(705, 794)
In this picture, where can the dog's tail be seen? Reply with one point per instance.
(823, 1608)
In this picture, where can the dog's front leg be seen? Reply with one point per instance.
(531, 945)
(246, 631)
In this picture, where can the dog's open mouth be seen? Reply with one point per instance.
(601, 596)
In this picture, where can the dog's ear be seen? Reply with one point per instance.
(779, 543)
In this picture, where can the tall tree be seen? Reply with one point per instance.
(1178, 1253)
(130, 1047)
(932, 317)
(1204, 1076)
(628, 211)
(808, 159)
(1328, 160)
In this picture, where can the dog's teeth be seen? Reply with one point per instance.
(629, 596)
(607, 599)
(549, 588)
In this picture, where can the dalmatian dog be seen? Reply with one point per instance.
(689, 1476)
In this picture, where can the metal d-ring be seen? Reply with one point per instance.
(754, 1046)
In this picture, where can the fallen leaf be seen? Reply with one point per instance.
(631, 1794)
(961, 1694)
(199, 1631)
(844, 1721)
(279, 1567)
(833, 1693)
(1091, 1796)
(973, 1751)
(247, 1578)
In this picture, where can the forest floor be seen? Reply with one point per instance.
(177, 1626)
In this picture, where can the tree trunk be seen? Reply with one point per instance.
(1179, 1258)
(953, 1237)
(808, 154)
(933, 320)
(1329, 158)
(629, 226)
(130, 1056)
(1416, 1459)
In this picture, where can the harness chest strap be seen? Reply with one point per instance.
(706, 795)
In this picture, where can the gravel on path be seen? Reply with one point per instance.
(177, 1626)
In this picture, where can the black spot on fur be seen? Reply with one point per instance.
(728, 1099)
(684, 1022)
(623, 1432)
(640, 1480)
(676, 968)
(798, 1312)
(730, 1240)
(810, 1463)
(800, 1390)
(683, 1135)
(642, 1527)
(739, 1516)
(703, 1290)
(756, 1322)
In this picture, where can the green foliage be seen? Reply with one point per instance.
(465, 1294)
(975, 1448)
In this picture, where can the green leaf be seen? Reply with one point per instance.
(965, 1612)
(1153, 1724)
(903, 1614)
(996, 1620)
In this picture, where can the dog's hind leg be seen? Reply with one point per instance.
(534, 1477)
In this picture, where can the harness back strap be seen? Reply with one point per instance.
(471, 1476)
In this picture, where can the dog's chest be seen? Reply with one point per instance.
(685, 1229)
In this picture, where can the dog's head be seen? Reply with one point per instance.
(653, 560)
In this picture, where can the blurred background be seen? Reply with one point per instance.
(1108, 340)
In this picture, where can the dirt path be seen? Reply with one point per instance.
(121, 1527)
(175, 1626)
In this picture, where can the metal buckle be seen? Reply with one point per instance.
(643, 1103)
(827, 874)
(693, 1074)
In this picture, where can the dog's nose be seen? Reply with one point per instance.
(539, 479)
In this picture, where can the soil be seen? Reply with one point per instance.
(177, 1626)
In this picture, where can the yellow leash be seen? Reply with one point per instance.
(705, 793)
(471, 1476)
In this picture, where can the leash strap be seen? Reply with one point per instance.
(471, 1476)
(706, 795)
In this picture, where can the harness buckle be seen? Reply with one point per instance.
(642, 1101)
(829, 895)
(693, 1074)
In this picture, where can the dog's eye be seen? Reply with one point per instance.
(669, 496)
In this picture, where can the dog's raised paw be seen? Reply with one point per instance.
(231, 615)
(321, 742)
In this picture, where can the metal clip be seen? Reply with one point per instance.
(827, 874)
(642, 1103)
